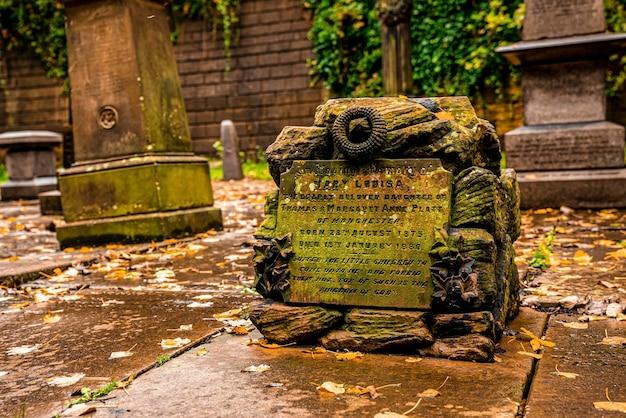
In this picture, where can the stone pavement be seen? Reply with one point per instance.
(133, 298)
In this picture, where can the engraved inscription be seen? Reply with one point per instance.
(361, 234)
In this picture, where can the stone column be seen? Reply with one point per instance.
(566, 153)
(30, 162)
(135, 177)
(395, 16)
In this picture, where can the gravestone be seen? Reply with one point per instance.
(30, 162)
(134, 176)
(566, 153)
(391, 229)
(231, 165)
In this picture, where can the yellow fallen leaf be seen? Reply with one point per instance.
(615, 340)
(535, 344)
(120, 354)
(316, 350)
(350, 355)
(12, 259)
(610, 406)
(567, 375)
(413, 359)
(201, 352)
(240, 330)
(582, 258)
(529, 354)
(69, 250)
(429, 393)
(21, 305)
(233, 313)
(618, 254)
(168, 343)
(332, 387)
(575, 325)
(51, 318)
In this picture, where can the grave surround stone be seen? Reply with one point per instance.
(134, 177)
(388, 213)
(564, 56)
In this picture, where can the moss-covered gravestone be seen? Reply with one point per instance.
(135, 177)
(391, 229)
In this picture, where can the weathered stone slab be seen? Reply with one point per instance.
(372, 330)
(599, 367)
(457, 324)
(479, 201)
(571, 146)
(473, 347)
(297, 143)
(565, 92)
(361, 234)
(286, 324)
(560, 18)
(508, 178)
(574, 188)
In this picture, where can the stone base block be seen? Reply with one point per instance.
(27, 189)
(565, 147)
(135, 185)
(573, 188)
(50, 203)
(140, 228)
(286, 324)
(371, 330)
(472, 347)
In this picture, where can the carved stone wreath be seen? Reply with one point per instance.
(271, 266)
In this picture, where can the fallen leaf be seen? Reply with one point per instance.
(239, 330)
(63, 381)
(257, 369)
(51, 318)
(567, 375)
(529, 354)
(350, 355)
(203, 297)
(120, 354)
(316, 350)
(413, 359)
(332, 387)
(233, 313)
(615, 340)
(429, 393)
(201, 352)
(200, 305)
(187, 327)
(582, 258)
(389, 414)
(618, 254)
(22, 349)
(78, 410)
(610, 406)
(168, 343)
(575, 325)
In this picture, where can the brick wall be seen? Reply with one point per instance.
(30, 100)
(267, 86)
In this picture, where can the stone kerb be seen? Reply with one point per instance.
(403, 243)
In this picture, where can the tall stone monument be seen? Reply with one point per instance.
(391, 229)
(566, 153)
(135, 177)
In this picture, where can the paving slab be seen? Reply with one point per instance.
(214, 384)
(600, 368)
(120, 303)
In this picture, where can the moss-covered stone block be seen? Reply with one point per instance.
(267, 229)
(135, 185)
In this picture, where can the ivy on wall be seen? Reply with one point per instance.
(453, 46)
(39, 26)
